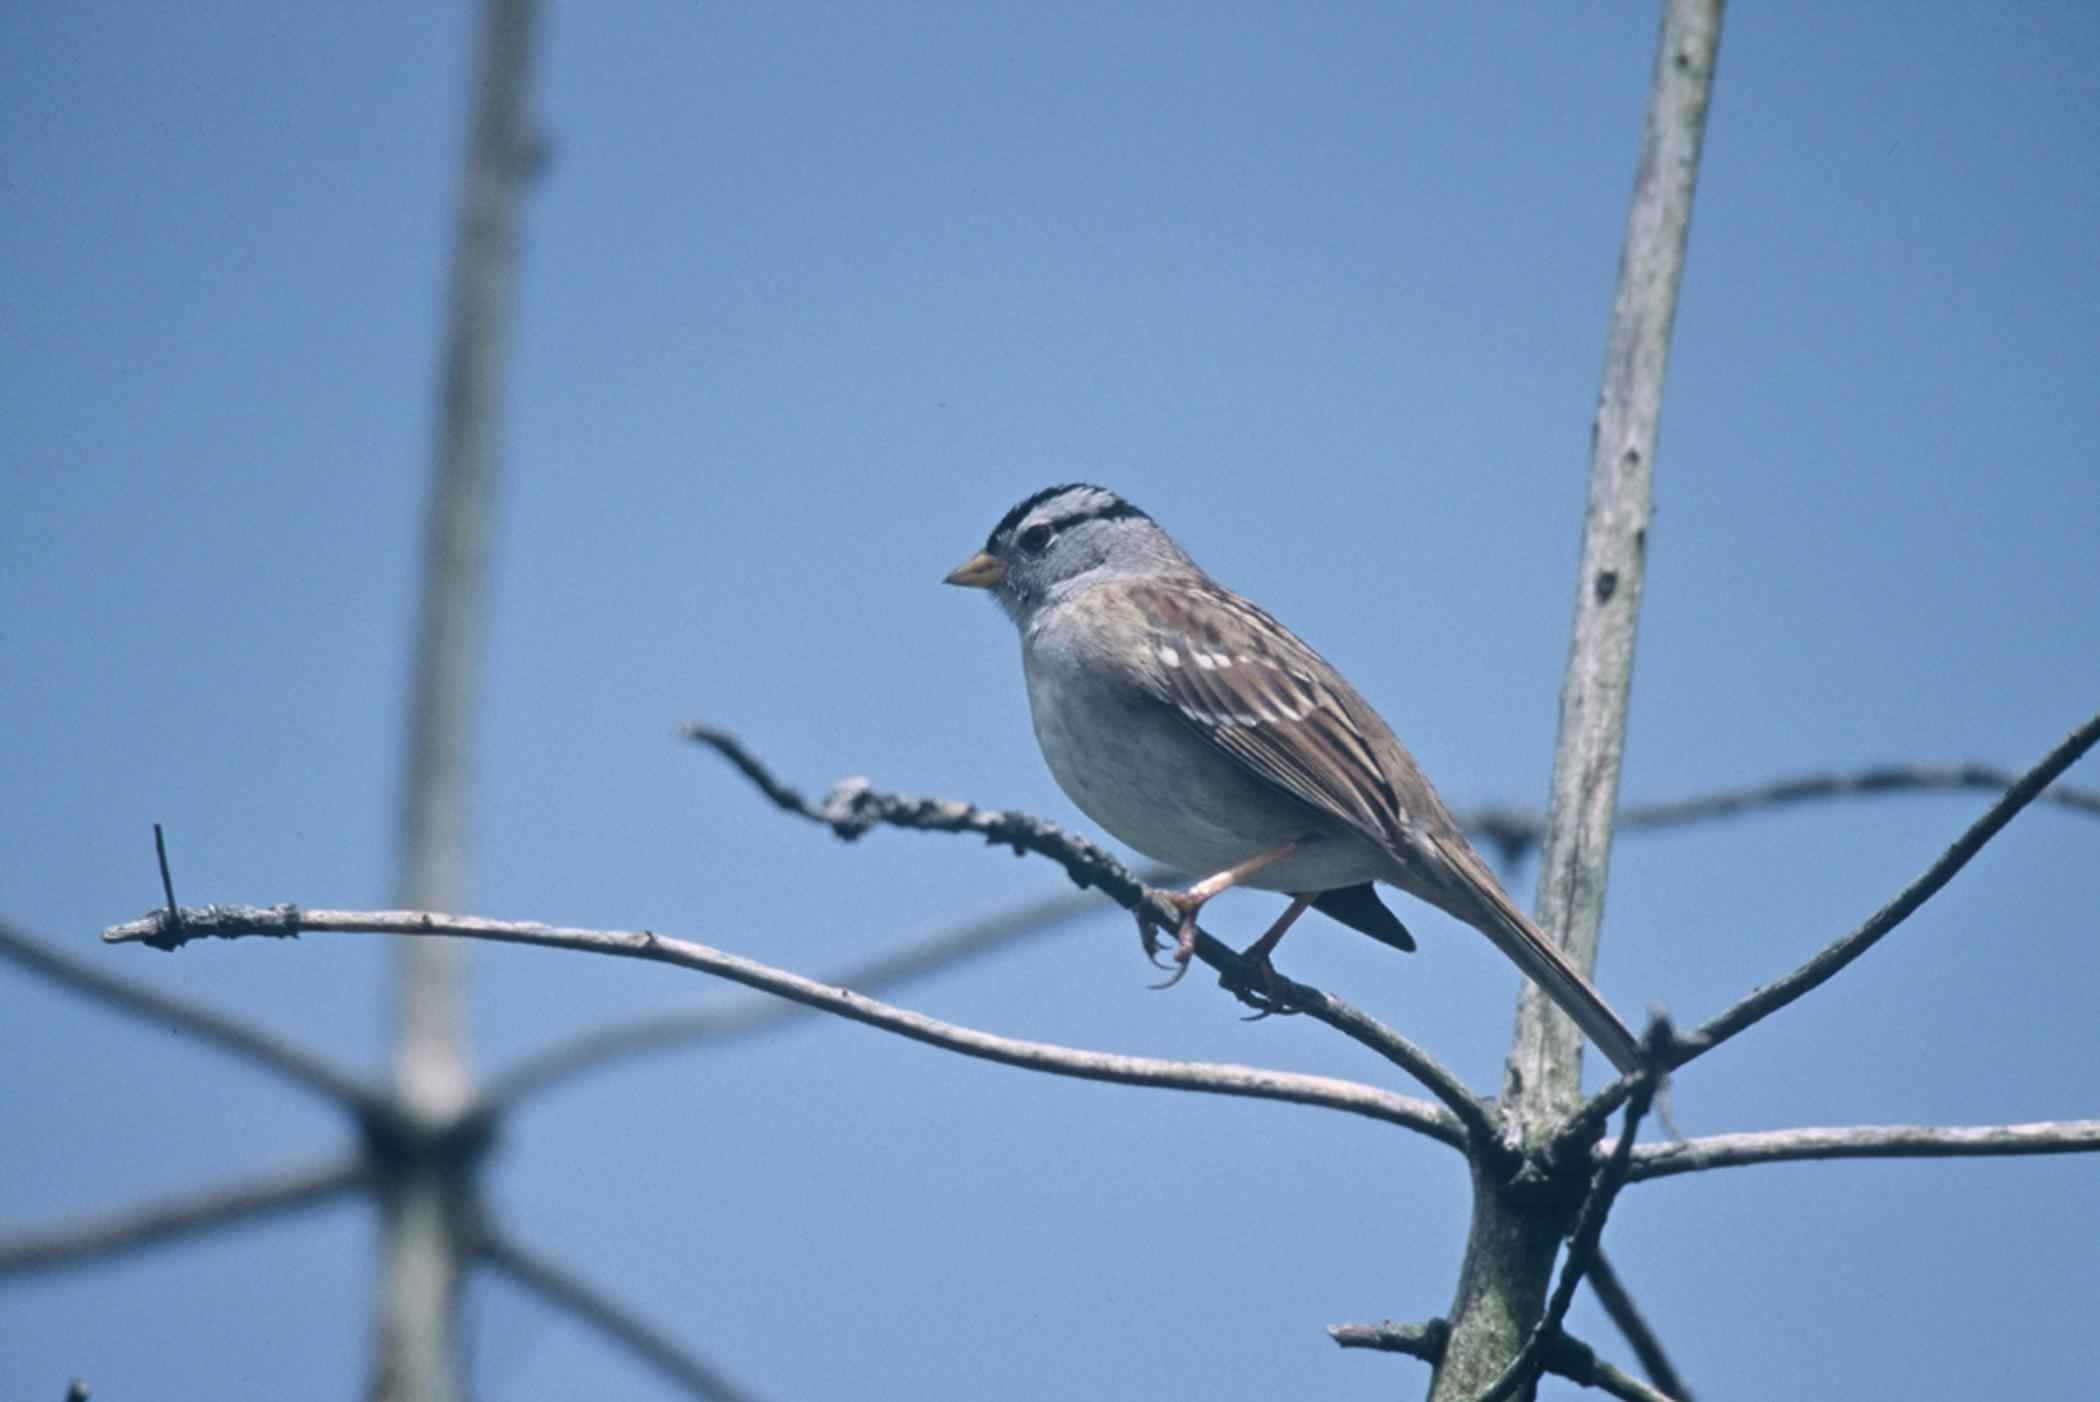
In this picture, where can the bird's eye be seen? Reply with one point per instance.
(1036, 539)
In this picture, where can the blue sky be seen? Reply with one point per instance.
(809, 296)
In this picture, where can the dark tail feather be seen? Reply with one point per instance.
(1359, 908)
(1484, 905)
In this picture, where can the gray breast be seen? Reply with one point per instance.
(1133, 766)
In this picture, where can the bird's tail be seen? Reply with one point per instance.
(1480, 901)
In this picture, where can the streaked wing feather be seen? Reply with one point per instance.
(1251, 687)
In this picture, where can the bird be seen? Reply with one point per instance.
(1200, 731)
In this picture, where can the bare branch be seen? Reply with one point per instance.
(599, 1047)
(1864, 1142)
(234, 922)
(1481, 1121)
(1566, 1356)
(853, 807)
(1545, 1067)
(72, 1244)
(560, 1288)
(244, 1039)
(1618, 1304)
(1840, 952)
(1512, 831)
(1770, 999)
(1515, 831)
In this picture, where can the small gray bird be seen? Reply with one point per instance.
(1206, 735)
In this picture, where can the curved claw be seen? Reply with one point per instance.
(1265, 992)
(1148, 938)
(1184, 941)
(1171, 979)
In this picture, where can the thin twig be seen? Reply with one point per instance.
(592, 1050)
(160, 854)
(564, 1290)
(1840, 952)
(246, 1040)
(1766, 1001)
(854, 807)
(1566, 1356)
(1618, 1305)
(1589, 1221)
(1373, 1102)
(1666, 1160)
(133, 1228)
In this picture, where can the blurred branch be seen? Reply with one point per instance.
(1840, 952)
(72, 1244)
(244, 1039)
(234, 922)
(1618, 1304)
(565, 1291)
(1515, 831)
(1864, 1142)
(1566, 1356)
(594, 1049)
(853, 807)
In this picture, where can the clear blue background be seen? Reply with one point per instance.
(810, 294)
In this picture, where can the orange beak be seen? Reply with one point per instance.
(980, 571)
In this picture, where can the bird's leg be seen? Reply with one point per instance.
(1257, 954)
(1192, 900)
(1259, 951)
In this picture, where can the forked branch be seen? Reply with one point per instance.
(1842, 951)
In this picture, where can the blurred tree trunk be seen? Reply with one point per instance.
(427, 1201)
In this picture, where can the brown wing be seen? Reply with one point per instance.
(1250, 686)
(1255, 690)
